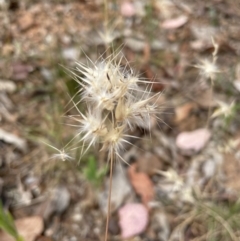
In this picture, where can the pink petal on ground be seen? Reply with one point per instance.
(175, 22)
(133, 219)
(194, 140)
(127, 9)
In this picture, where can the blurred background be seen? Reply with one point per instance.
(181, 181)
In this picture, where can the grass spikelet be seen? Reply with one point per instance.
(115, 102)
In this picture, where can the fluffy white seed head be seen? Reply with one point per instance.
(208, 69)
(115, 103)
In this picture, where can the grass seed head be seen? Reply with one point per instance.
(208, 69)
(115, 102)
(62, 155)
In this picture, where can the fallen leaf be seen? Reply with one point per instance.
(175, 22)
(183, 111)
(133, 219)
(141, 183)
(193, 141)
(29, 228)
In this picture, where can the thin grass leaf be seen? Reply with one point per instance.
(7, 224)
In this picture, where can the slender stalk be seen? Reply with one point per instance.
(109, 196)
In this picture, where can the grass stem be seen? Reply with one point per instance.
(109, 196)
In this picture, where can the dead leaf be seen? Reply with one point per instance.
(183, 111)
(175, 22)
(141, 183)
(29, 228)
(193, 141)
(133, 219)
